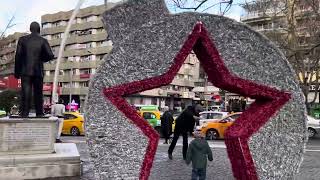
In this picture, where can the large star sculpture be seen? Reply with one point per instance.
(268, 101)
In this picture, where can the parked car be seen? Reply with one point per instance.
(211, 116)
(3, 114)
(214, 108)
(216, 130)
(313, 125)
(153, 118)
(73, 124)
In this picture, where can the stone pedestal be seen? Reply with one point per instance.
(28, 151)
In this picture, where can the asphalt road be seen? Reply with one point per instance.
(219, 169)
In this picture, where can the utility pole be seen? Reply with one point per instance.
(70, 89)
(206, 90)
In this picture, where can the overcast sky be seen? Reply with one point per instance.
(31, 10)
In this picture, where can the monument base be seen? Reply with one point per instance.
(64, 162)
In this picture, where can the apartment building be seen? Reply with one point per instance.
(270, 19)
(86, 45)
(177, 94)
(7, 53)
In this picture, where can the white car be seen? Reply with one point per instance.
(211, 116)
(313, 126)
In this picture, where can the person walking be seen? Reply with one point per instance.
(58, 110)
(32, 51)
(166, 125)
(198, 153)
(184, 123)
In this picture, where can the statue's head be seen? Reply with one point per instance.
(35, 27)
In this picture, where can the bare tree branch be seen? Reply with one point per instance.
(8, 26)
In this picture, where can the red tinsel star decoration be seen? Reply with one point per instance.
(268, 101)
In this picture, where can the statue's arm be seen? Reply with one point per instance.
(18, 60)
(47, 52)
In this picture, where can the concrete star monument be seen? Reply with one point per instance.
(150, 45)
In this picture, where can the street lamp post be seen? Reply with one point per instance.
(206, 90)
(70, 89)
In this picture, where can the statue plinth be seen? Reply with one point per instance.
(28, 150)
(27, 136)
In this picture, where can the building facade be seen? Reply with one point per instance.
(7, 53)
(176, 95)
(86, 45)
(270, 19)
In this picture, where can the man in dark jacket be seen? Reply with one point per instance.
(184, 123)
(198, 153)
(32, 51)
(166, 125)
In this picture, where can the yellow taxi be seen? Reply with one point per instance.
(73, 124)
(216, 130)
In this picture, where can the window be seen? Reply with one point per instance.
(57, 36)
(80, 46)
(214, 116)
(100, 30)
(85, 58)
(148, 115)
(99, 57)
(204, 116)
(89, 45)
(69, 117)
(104, 43)
(84, 32)
(85, 71)
(84, 84)
(55, 24)
(74, 71)
(48, 37)
(187, 66)
(63, 23)
(92, 18)
(46, 25)
(67, 71)
(231, 118)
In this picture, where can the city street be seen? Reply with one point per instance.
(219, 169)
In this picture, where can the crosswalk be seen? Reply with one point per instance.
(212, 144)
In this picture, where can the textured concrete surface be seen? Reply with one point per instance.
(65, 162)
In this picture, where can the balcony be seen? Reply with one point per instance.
(72, 65)
(75, 91)
(186, 71)
(61, 78)
(78, 26)
(80, 39)
(182, 82)
(87, 51)
(63, 65)
(7, 50)
(85, 76)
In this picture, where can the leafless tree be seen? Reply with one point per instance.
(294, 26)
(203, 5)
(9, 25)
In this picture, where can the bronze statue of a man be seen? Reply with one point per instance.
(32, 51)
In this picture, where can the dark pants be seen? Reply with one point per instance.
(176, 135)
(198, 173)
(165, 133)
(29, 83)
